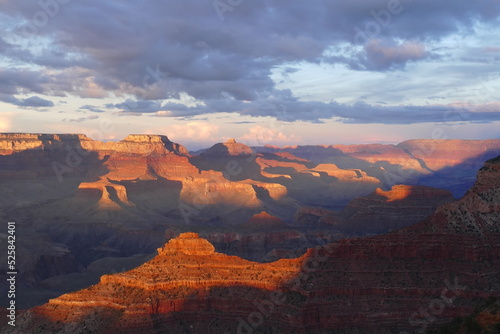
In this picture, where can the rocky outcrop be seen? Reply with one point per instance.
(478, 212)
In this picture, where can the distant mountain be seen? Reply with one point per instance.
(412, 280)
(447, 164)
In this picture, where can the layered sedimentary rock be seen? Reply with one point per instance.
(88, 200)
(98, 199)
(380, 212)
(142, 144)
(324, 184)
(383, 211)
(448, 164)
(410, 280)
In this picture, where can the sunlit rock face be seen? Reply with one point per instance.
(447, 164)
(384, 284)
(187, 243)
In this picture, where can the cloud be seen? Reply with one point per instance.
(91, 108)
(193, 131)
(136, 106)
(80, 119)
(35, 102)
(259, 135)
(385, 55)
(30, 102)
(145, 55)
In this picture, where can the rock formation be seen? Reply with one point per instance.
(380, 212)
(448, 164)
(229, 148)
(77, 201)
(411, 280)
(384, 211)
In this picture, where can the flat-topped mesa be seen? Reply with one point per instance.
(137, 143)
(135, 138)
(187, 243)
(43, 136)
(229, 148)
(17, 142)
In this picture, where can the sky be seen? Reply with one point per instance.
(266, 72)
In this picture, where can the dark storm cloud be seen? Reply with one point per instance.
(162, 49)
(289, 109)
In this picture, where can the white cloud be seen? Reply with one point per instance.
(259, 135)
(192, 131)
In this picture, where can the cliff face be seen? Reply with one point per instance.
(477, 213)
(410, 280)
(448, 164)
(18, 142)
(379, 212)
(384, 211)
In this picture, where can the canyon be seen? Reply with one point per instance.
(410, 280)
(86, 208)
